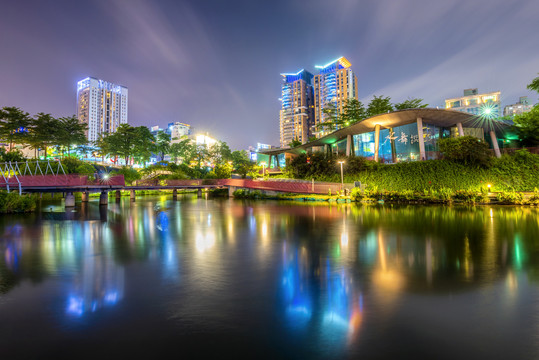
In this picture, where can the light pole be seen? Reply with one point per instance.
(342, 176)
(263, 163)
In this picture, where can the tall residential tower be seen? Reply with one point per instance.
(102, 105)
(335, 83)
(296, 115)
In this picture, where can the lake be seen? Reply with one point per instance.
(268, 279)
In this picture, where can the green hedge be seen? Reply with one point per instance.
(518, 172)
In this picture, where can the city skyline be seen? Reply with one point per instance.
(193, 63)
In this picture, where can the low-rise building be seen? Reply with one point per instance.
(486, 105)
(523, 105)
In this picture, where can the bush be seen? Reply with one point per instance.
(70, 165)
(510, 197)
(465, 150)
(14, 155)
(12, 202)
(129, 174)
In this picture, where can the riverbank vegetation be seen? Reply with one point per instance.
(516, 172)
(12, 202)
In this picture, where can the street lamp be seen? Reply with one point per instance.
(342, 176)
(263, 163)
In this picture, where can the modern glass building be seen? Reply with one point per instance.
(102, 105)
(296, 115)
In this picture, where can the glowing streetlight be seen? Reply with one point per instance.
(488, 187)
(342, 175)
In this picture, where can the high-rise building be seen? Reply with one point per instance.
(296, 115)
(523, 105)
(102, 105)
(486, 105)
(335, 84)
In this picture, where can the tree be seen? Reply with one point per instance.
(331, 118)
(241, 163)
(353, 112)
(120, 143)
(44, 132)
(144, 144)
(534, 85)
(71, 132)
(219, 152)
(162, 143)
(294, 143)
(411, 103)
(526, 126)
(379, 105)
(182, 150)
(14, 125)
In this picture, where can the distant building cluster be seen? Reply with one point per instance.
(304, 97)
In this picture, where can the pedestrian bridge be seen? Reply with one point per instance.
(50, 177)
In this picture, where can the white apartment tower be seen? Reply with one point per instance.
(102, 105)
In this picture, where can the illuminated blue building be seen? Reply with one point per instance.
(296, 115)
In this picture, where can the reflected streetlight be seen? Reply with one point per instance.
(342, 175)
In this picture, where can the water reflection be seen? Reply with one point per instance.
(325, 276)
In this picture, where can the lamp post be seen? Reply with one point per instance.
(342, 176)
(263, 163)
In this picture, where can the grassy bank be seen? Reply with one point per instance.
(12, 202)
(518, 172)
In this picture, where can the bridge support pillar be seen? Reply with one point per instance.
(199, 193)
(104, 198)
(85, 196)
(231, 190)
(69, 200)
(132, 195)
(118, 195)
(175, 194)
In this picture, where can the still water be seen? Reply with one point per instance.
(213, 277)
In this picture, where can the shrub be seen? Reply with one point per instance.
(14, 155)
(356, 194)
(129, 174)
(510, 197)
(12, 202)
(466, 150)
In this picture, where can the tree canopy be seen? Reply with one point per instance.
(411, 103)
(379, 105)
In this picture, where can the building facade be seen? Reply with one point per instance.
(335, 84)
(179, 131)
(101, 105)
(296, 114)
(523, 105)
(486, 105)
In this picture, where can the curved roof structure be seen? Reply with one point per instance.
(438, 117)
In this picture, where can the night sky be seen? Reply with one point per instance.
(216, 64)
